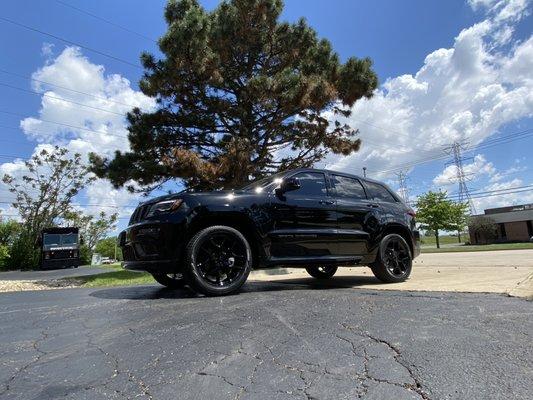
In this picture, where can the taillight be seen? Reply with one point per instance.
(411, 212)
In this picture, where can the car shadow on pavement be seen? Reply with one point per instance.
(157, 292)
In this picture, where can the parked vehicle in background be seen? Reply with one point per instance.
(107, 260)
(314, 219)
(59, 248)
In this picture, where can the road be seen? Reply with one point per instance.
(272, 341)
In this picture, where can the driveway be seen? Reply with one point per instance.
(272, 341)
(46, 275)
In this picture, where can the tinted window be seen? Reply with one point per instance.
(348, 187)
(379, 193)
(51, 239)
(69, 238)
(312, 184)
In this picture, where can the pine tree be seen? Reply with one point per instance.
(240, 95)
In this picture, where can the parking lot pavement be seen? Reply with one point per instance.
(505, 272)
(273, 340)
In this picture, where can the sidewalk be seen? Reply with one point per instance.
(507, 272)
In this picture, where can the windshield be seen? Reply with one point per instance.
(52, 239)
(69, 238)
(56, 239)
(262, 184)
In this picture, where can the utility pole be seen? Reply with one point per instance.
(464, 194)
(402, 184)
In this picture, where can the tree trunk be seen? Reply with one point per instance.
(459, 235)
(437, 238)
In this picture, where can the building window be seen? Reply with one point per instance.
(503, 234)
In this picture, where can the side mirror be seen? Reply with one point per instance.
(289, 184)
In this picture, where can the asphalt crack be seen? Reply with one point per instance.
(416, 387)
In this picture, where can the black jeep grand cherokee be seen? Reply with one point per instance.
(314, 219)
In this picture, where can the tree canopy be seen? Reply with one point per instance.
(240, 95)
(437, 213)
(44, 193)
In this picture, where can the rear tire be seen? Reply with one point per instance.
(218, 261)
(321, 272)
(394, 260)
(171, 281)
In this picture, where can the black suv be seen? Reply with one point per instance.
(314, 219)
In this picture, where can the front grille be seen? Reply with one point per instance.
(139, 213)
(60, 254)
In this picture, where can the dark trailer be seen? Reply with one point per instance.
(59, 248)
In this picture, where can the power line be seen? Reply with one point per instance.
(63, 124)
(29, 78)
(60, 99)
(71, 42)
(50, 133)
(482, 192)
(106, 21)
(490, 143)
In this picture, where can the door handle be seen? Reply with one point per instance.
(373, 205)
(328, 202)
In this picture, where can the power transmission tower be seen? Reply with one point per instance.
(464, 194)
(402, 184)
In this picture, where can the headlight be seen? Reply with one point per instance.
(164, 207)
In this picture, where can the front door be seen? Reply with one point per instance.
(304, 220)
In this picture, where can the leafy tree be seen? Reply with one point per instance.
(44, 193)
(484, 229)
(43, 196)
(92, 229)
(4, 256)
(9, 231)
(240, 95)
(107, 247)
(459, 218)
(436, 213)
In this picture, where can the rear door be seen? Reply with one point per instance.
(357, 216)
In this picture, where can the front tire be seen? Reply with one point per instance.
(218, 261)
(171, 281)
(394, 260)
(321, 272)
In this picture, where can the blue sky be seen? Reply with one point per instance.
(486, 48)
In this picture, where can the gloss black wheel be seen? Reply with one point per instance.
(394, 260)
(171, 281)
(322, 271)
(218, 260)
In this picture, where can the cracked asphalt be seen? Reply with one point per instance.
(272, 341)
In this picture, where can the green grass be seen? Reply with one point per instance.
(430, 240)
(116, 277)
(486, 247)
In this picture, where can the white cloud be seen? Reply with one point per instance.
(47, 50)
(466, 92)
(108, 98)
(473, 171)
(503, 199)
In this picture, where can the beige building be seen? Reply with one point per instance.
(514, 223)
